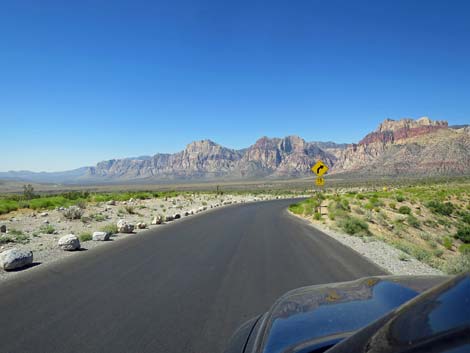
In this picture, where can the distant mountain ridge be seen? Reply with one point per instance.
(403, 147)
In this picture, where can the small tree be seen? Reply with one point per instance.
(28, 192)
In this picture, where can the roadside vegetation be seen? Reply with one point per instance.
(429, 222)
(72, 200)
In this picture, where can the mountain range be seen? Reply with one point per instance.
(405, 147)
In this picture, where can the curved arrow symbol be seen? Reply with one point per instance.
(320, 167)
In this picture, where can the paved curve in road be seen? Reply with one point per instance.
(181, 287)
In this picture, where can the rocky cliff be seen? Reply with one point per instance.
(396, 148)
(408, 147)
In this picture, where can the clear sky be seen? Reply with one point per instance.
(83, 81)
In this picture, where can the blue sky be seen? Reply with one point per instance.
(83, 81)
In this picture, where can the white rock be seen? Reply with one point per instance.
(100, 236)
(124, 227)
(157, 220)
(69, 242)
(141, 225)
(44, 214)
(111, 203)
(15, 258)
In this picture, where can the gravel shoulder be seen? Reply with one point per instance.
(380, 253)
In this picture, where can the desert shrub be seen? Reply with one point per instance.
(414, 250)
(425, 236)
(85, 236)
(296, 208)
(85, 219)
(331, 215)
(47, 229)
(458, 264)
(359, 210)
(438, 252)
(28, 192)
(382, 219)
(23, 204)
(81, 204)
(353, 226)
(465, 217)
(15, 236)
(463, 233)
(49, 202)
(73, 212)
(464, 248)
(344, 204)
(400, 198)
(76, 195)
(98, 217)
(404, 210)
(443, 208)
(430, 223)
(110, 228)
(447, 243)
(413, 221)
(392, 205)
(317, 216)
(7, 206)
(5, 239)
(129, 209)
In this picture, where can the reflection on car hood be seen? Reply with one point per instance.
(317, 314)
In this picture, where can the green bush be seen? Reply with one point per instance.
(464, 248)
(392, 205)
(98, 217)
(400, 198)
(404, 210)
(438, 207)
(353, 226)
(110, 228)
(465, 216)
(463, 233)
(296, 208)
(447, 243)
(414, 250)
(438, 252)
(413, 221)
(85, 236)
(47, 229)
(317, 216)
(7, 206)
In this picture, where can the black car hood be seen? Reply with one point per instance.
(323, 315)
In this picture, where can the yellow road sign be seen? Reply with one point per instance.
(319, 168)
(319, 181)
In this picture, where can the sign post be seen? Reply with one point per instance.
(319, 169)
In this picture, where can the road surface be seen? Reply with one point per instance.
(181, 287)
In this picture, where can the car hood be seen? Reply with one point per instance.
(320, 316)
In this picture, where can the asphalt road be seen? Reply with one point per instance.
(182, 287)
